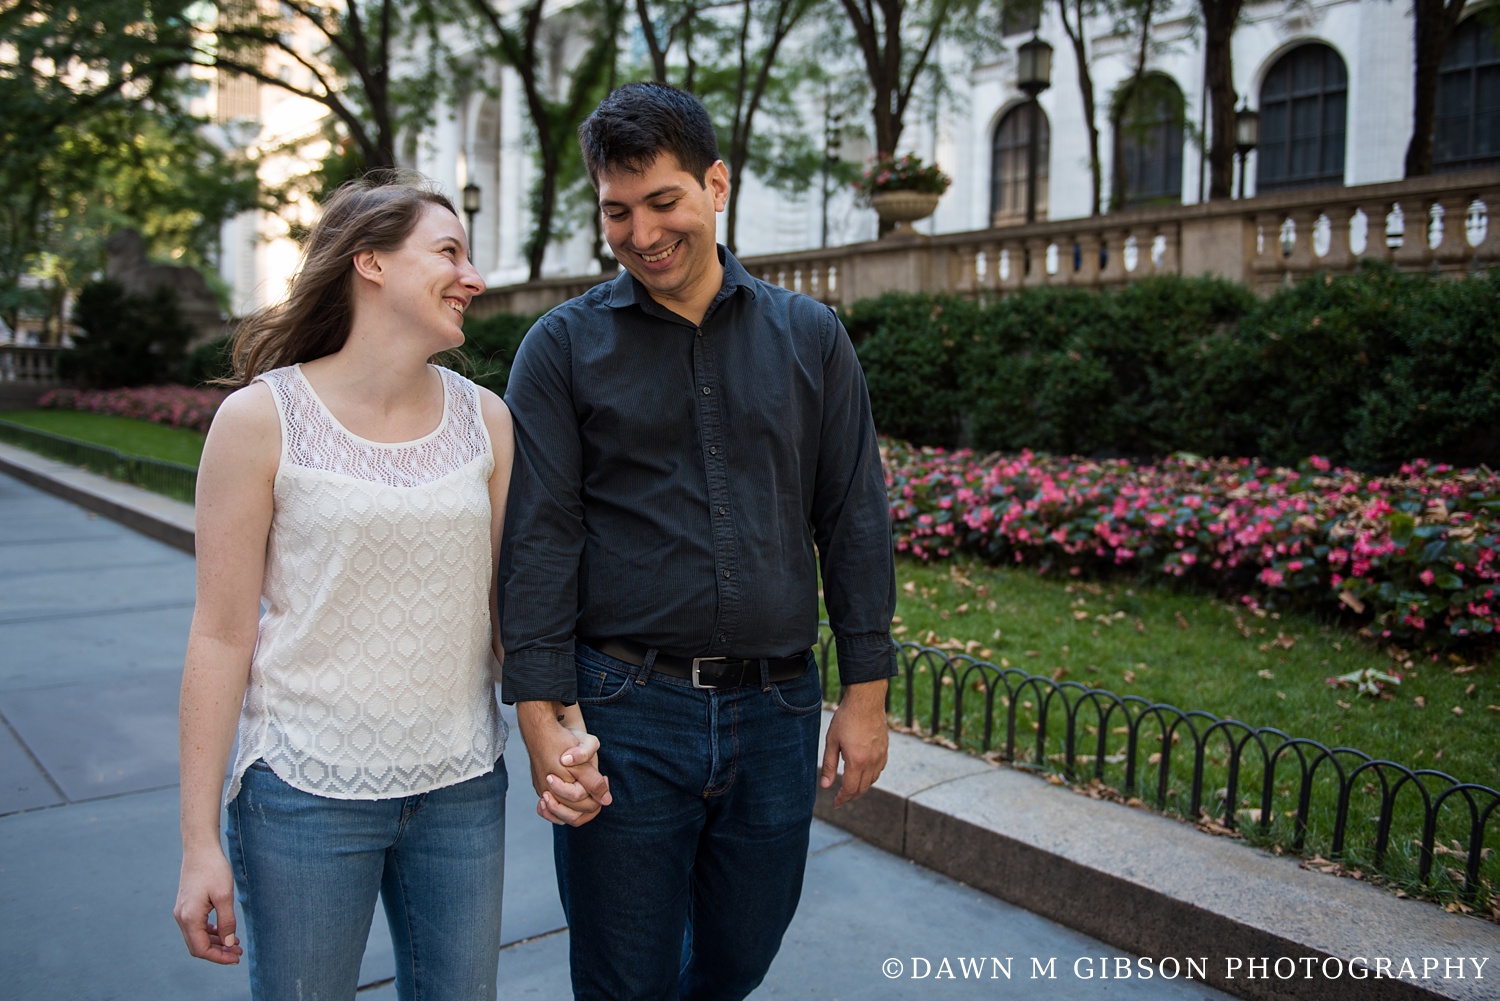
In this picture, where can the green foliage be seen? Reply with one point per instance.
(1367, 369)
(208, 361)
(490, 345)
(127, 340)
(105, 145)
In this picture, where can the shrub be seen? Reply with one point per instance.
(490, 344)
(1410, 557)
(177, 406)
(127, 339)
(207, 362)
(1367, 369)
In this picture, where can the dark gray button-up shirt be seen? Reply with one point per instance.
(671, 483)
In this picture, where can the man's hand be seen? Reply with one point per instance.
(564, 769)
(858, 733)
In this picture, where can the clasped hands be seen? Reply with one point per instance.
(564, 763)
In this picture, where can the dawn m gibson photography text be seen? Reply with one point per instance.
(1186, 968)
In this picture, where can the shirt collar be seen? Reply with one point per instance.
(626, 291)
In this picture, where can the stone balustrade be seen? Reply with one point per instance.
(26, 372)
(1440, 223)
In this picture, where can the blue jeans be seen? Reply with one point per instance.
(308, 869)
(684, 885)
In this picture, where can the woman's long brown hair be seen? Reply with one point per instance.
(376, 212)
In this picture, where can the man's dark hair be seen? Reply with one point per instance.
(638, 122)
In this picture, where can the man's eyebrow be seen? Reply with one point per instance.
(670, 189)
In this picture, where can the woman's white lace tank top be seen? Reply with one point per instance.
(372, 673)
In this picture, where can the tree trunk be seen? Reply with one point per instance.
(1219, 20)
(1434, 30)
(1086, 89)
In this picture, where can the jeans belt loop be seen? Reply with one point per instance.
(646, 664)
(697, 661)
(765, 675)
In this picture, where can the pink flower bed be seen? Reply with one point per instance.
(177, 406)
(1410, 556)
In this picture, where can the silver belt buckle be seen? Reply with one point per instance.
(696, 662)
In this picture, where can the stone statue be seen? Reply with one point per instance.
(127, 264)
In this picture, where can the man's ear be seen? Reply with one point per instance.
(367, 265)
(717, 181)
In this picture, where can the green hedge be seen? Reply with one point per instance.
(1366, 369)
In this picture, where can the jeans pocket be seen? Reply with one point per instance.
(599, 688)
(793, 695)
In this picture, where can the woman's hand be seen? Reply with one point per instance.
(207, 885)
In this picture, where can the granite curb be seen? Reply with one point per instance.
(159, 517)
(1132, 878)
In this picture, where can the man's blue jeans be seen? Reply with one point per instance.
(308, 869)
(684, 885)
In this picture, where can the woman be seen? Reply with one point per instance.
(361, 491)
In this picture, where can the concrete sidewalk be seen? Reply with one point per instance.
(93, 622)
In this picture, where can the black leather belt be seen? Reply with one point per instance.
(704, 672)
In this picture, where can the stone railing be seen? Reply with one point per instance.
(1441, 223)
(26, 372)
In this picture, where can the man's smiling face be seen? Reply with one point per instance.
(660, 223)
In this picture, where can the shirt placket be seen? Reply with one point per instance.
(709, 407)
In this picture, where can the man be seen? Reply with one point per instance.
(687, 435)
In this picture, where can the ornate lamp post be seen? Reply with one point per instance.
(1246, 137)
(471, 209)
(833, 141)
(1033, 75)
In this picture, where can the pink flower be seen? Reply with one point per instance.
(1427, 577)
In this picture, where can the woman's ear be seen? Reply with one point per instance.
(367, 265)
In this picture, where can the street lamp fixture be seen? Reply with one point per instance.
(1246, 137)
(471, 209)
(1033, 75)
(833, 142)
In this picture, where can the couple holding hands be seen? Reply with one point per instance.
(641, 522)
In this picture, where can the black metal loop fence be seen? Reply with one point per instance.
(1260, 781)
(172, 479)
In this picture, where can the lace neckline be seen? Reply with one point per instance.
(328, 413)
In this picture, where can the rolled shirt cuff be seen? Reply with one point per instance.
(865, 658)
(539, 676)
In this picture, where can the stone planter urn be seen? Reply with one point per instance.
(903, 208)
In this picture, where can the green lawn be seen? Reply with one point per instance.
(133, 437)
(1163, 644)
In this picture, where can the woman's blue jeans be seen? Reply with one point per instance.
(684, 885)
(308, 869)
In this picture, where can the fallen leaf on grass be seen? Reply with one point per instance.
(1266, 674)
(1357, 606)
(1419, 702)
(1458, 710)
(1182, 623)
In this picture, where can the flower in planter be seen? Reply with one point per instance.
(901, 173)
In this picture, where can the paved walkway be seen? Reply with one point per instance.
(93, 625)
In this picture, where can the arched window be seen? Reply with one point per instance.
(1466, 133)
(1148, 121)
(1008, 165)
(1302, 111)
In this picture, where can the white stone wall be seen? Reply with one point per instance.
(1374, 38)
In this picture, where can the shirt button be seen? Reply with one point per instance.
(706, 390)
(713, 450)
(723, 638)
(726, 574)
(723, 509)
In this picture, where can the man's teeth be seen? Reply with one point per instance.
(653, 258)
(455, 305)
